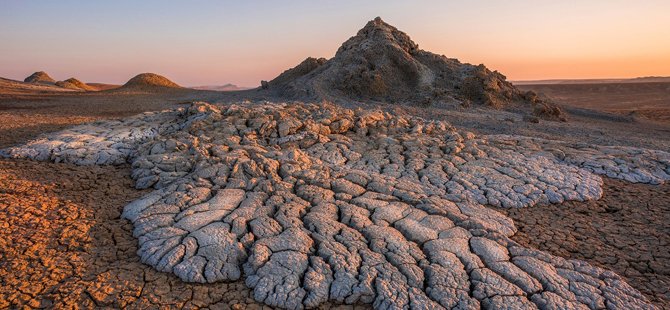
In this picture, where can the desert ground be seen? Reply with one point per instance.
(62, 226)
(298, 194)
(647, 100)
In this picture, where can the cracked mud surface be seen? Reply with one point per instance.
(65, 245)
(627, 231)
(316, 204)
(27, 183)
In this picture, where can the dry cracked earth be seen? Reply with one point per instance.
(314, 205)
(65, 245)
(627, 231)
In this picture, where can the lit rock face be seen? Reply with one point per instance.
(313, 204)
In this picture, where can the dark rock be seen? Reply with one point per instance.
(382, 63)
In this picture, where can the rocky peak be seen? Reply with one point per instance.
(382, 64)
(378, 33)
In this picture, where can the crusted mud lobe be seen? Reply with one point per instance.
(315, 203)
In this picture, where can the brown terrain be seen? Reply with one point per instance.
(29, 109)
(626, 231)
(61, 222)
(645, 100)
(64, 245)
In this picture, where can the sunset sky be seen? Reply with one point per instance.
(242, 42)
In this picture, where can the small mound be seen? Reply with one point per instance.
(75, 84)
(40, 77)
(150, 80)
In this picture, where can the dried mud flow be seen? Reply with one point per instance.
(71, 239)
(627, 231)
(317, 204)
(20, 126)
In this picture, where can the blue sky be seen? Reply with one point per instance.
(216, 42)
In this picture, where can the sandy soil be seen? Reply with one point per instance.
(64, 245)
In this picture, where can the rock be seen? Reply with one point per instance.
(306, 66)
(382, 64)
(547, 110)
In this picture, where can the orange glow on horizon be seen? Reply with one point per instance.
(220, 42)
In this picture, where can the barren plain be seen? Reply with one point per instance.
(63, 224)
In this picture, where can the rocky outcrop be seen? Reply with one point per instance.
(283, 81)
(382, 63)
(40, 77)
(316, 203)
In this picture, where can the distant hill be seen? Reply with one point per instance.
(12, 87)
(40, 77)
(149, 80)
(650, 79)
(225, 87)
(646, 79)
(75, 84)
